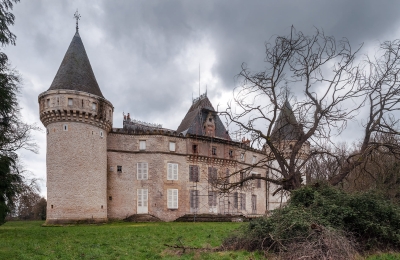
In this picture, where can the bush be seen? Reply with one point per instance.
(323, 221)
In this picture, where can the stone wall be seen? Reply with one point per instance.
(76, 173)
(124, 151)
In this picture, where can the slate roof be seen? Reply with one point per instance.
(193, 122)
(75, 72)
(286, 126)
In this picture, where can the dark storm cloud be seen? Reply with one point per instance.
(143, 53)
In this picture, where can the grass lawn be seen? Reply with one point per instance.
(29, 240)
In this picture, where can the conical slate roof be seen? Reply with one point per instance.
(75, 72)
(286, 126)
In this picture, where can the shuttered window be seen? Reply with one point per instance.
(235, 200)
(193, 173)
(142, 145)
(243, 201)
(172, 198)
(212, 175)
(142, 171)
(194, 199)
(172, 172)
(212, 198)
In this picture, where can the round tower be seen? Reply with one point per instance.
(77, 119)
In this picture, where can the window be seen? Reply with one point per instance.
(172, 146)
(94, 106)
(212, 198)
(47, 130)
(254, 204)
(65, 127)
(214, 150)
(227, 174)
(111, 169)
(235, 200)
(253, 161)
(109, 113)
(194, 148)
(230, 153)
(119, 168)
(142, 145)
(194, 173)
(109, 197)
(210, 119)
(242, 157)
(241, 175)
(48, 102)
(212, 175)
(70, 103)
(172, 198)
(172, 173)
(142, 171)
(257, 181)
(243, 201)
(101, 134)
(194, 199)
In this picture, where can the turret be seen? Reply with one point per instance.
(77, 119)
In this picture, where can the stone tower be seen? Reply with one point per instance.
(78, 119)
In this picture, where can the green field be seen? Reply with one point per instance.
(29, 240)
(121, 240)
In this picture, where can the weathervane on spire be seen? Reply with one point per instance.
(77, 16)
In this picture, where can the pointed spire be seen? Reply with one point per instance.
(77, 16)
(75, 72)
(286, 126)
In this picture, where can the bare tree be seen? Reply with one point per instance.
(331, 87)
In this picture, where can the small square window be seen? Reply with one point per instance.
(172, 146)
(142, 145)
(65, 127)
(70, 103)
(195, 148)
(119, 168)
(214, 150)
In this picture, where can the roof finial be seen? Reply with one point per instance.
(77, 16)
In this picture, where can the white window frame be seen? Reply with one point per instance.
(172, 146)
(142, 145)
(172, 198)
(142, 171)
(172, 171)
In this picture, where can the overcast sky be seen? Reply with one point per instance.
(146, 54)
